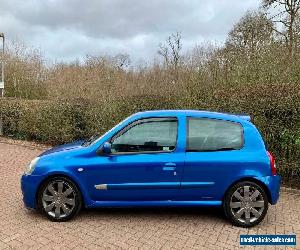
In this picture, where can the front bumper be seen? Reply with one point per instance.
(273, 185)
(29, 186)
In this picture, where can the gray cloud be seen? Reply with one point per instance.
(66, 29)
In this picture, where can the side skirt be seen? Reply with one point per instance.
(155, 204)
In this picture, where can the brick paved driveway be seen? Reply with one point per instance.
(124, 228)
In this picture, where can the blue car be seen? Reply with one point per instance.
(159, 158)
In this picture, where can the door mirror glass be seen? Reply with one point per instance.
(105, 149)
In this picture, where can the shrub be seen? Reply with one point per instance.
(44, 121)
(75, 100)
(275, 109)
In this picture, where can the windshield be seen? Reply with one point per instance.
(90, 140)
(98, 136)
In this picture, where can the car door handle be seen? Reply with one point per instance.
(170, 166)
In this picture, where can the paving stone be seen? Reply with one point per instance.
(143, 228)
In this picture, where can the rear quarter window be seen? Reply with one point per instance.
(205, 134)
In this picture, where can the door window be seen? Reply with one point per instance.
(147, 135)
(206, 134)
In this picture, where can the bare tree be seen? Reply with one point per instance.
(122, 61)
(170, 51)
(251, 33)
(164, 52)
(287, 13)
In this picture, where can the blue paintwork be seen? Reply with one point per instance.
(148, 179)
(155, 203)
(65, 147)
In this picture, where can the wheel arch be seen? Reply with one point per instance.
(252, 179)
(55, 175)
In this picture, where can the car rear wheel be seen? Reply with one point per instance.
(245, 204)
(59, 199)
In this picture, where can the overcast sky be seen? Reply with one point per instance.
(69, 29)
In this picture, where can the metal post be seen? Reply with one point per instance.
(2, 65)
(2, 80)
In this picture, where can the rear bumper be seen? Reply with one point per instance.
(273, 185)
(29, 186)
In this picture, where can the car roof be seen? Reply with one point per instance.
(195, 113)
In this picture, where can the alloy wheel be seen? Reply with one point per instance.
(247, 204)
(59, 199)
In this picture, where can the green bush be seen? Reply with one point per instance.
(44, 121)
(58, 122)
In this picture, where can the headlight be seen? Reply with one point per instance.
(31, 166)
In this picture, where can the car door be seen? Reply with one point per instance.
(145, 163)
(213, 156)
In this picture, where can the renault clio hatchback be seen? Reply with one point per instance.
(159, 158)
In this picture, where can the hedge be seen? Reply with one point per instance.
(275, 108)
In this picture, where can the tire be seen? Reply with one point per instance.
(59, 199)
(245, 204)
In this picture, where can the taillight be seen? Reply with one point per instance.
(272, 163)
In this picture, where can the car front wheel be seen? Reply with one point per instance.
(59, 199)
(245, 204)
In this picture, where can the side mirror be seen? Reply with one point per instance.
(105, 149)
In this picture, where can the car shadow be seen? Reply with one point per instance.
(155, 212)
(141, 213)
